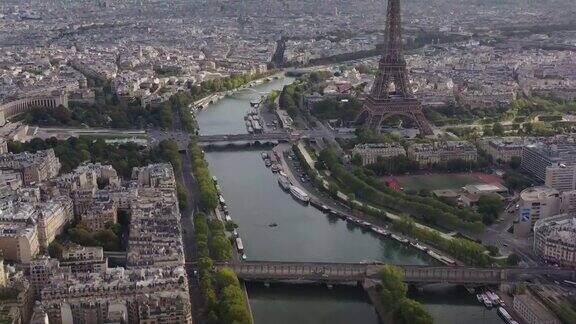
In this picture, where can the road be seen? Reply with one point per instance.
(186, 178)
(507, 243)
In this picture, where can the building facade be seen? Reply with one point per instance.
(503, 149)
(33, 167)
(101, 215)
(555, 239)
(537, 157)
(440, 153)
(532, 311)
(369, 153)
(536, 203)
(561, 177)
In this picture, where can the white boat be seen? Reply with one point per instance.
(494, 298)
(299, 194)
(283, 181)
(239, 244)
(264, 155)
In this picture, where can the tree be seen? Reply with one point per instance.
(55, 249)
(412, 312)
(220, 248)
(393, 289)
(488, 131)
(490, 207)
(513, 260)
(516, 181)
(515, 162)
(226, 277)
(232, 305)
(498, 129)
(356, 160)
(230, 226)
(492, 250)
(107, 239)
(182, 194)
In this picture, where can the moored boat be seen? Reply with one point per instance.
(299, 194)
(283, 181)
(487, 301)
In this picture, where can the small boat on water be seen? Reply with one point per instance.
(299, 194)
(283, 181)
(264, 155)
(275, 167)
(273, 225)
(268, 163)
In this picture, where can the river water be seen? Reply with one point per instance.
(255, 201)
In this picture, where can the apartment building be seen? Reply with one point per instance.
(555, 239)
(503, 149)
(33, 167)
(369, 153)
(537, 157)
(532, 311)
(440, 153)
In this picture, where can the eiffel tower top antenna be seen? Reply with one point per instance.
(393, 47)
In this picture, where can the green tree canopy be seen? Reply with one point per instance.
(412, 312)
(490, 206)
(393, 289)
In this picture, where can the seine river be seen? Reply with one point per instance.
(305, 234)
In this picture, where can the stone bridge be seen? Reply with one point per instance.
(356, 272)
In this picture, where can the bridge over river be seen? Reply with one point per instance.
(357, 272)
(235, 138)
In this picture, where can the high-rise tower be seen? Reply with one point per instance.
(391, 94)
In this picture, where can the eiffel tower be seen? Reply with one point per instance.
(391, 94)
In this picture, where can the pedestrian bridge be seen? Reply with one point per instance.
(356, 272)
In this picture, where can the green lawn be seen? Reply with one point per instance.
(436, 181)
